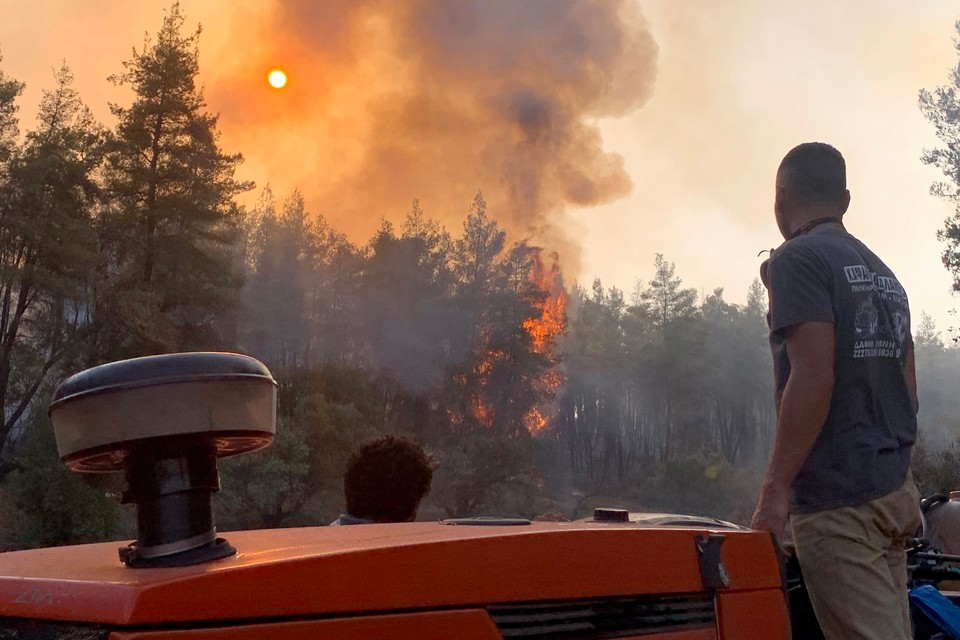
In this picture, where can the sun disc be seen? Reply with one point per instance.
(277, 79)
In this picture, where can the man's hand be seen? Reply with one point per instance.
(771, 513)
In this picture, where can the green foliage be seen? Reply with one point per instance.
(498, 374)
(926, 335)
(476, 252)
(936, 470)
(665, 299)
(323, 415)
(172, 228)
(55, 506)
(406, 311)
(131, 242)
(735, 380)
(937, 367)
(662, 379)
(704, 484)
(298, 480)
(301, 288)
(48, 246)
(265, 488)
(942, 108)
(700, 484)
(483, 472)
(10, 89)
(936, 456)
(282, 258)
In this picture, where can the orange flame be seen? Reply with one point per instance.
(482, 412)
(551, 323)
(534, 421)
(545, 330)
(552, 320)
(545, 325)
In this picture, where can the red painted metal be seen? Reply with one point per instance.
(753, 615)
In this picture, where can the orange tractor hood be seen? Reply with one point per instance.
(320, 571)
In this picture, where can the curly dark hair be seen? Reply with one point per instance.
(386, 479)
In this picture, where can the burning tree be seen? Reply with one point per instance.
(515, 307)
(545, 330)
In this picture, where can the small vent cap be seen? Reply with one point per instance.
(611, 515)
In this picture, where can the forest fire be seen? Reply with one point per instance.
(550, 325)
(534, 421)
(481, 410)
(546, 330)
(505, 388)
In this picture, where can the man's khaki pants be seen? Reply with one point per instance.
(855, 566)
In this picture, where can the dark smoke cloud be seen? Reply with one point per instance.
(435, 99)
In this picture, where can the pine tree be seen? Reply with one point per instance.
(285, 260)
(172, 230)
(48, 252)
(927, 334)
(757, 299)
(10, 90)
(405, 302)
(476, 252)
(475, 262)
(673, 360)
(942, 108)
(665, 299)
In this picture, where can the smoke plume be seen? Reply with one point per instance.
(434, 99)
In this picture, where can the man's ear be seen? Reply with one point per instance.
(845, 202)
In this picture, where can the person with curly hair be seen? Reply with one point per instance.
(385, 481)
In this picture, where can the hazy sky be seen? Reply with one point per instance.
(739, 84)
(554, 113)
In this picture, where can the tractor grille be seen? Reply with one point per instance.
(604, 618)
(11, 629)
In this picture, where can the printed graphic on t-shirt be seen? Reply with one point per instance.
(882, 315)
(867, 318)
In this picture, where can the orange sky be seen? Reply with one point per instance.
(554, 114)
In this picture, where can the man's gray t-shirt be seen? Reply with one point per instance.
(863, 451)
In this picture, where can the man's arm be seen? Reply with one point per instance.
(803, 409)
(910, 373)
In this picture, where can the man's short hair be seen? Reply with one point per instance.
(386, 479)
(813, 172)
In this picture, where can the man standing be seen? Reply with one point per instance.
(846, 406)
